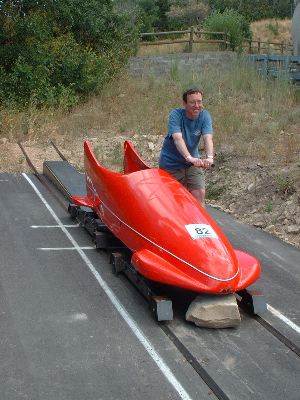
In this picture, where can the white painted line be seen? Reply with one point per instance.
(119, 307)
(277, 255)
(265, 255)
(54, 226)
(278, 314)
(4, 180)
(65, 248)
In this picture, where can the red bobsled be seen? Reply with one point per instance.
(172, 238)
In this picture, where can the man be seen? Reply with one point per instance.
(179, 154)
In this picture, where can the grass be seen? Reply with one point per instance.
(254, 117)
(285, 184)
(267, 30)
(155, 50)
(272, 30)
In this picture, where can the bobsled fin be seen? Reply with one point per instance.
(85, 201)
(249, 269)
(132, 161)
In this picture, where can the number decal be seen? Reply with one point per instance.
(198, 231)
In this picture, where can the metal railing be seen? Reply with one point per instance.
(276, 66)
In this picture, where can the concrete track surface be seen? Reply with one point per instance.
(70, 329)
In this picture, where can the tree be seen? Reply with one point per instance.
(163, 8)
(254, 9)
(55, 52)
(184, 16)
(149, 15)
(230, 22)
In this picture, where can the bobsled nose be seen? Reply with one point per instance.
(156, 268)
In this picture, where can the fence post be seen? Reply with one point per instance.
(258, 46)
(191, 40)
(227, 40)
(282, 47)
(250, 46)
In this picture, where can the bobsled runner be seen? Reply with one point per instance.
(172, 238)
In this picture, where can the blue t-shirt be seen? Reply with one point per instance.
(191, 130)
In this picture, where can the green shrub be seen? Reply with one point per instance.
(285, 185)
(56, 53)
(254, 10)
(230, 22)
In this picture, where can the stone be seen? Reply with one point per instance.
(259, 224)
(250, 187)
(271, 228)
(208, 311)
(151, 146)
(293, 229)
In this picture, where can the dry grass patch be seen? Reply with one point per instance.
(161, 49)
(256, 118)
(272, 30)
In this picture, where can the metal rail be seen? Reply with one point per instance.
(58, 151)
(41, 177)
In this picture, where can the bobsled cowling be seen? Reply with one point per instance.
(173, 239)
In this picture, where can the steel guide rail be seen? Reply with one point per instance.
(119, 258)
(41, 177)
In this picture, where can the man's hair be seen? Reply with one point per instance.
(190, 91)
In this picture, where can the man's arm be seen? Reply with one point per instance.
(209, 150)
(181, 147)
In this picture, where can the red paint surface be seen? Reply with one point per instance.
(148, 210)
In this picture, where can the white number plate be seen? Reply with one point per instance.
(198, 231)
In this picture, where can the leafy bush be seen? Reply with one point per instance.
(54, 53)
(230, 22)
(254, 10)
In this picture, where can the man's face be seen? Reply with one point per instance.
(193, 105)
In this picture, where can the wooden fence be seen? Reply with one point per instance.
(258, 47)
(192, 36)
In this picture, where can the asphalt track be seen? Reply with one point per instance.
(70, 329)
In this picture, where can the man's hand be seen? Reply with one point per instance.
(207, 162)
(197, 162)
(201, 162)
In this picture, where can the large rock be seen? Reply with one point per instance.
(214, 311)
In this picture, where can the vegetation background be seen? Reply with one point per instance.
(62, 78)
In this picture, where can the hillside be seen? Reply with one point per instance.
(257, 138)
(272, 30)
